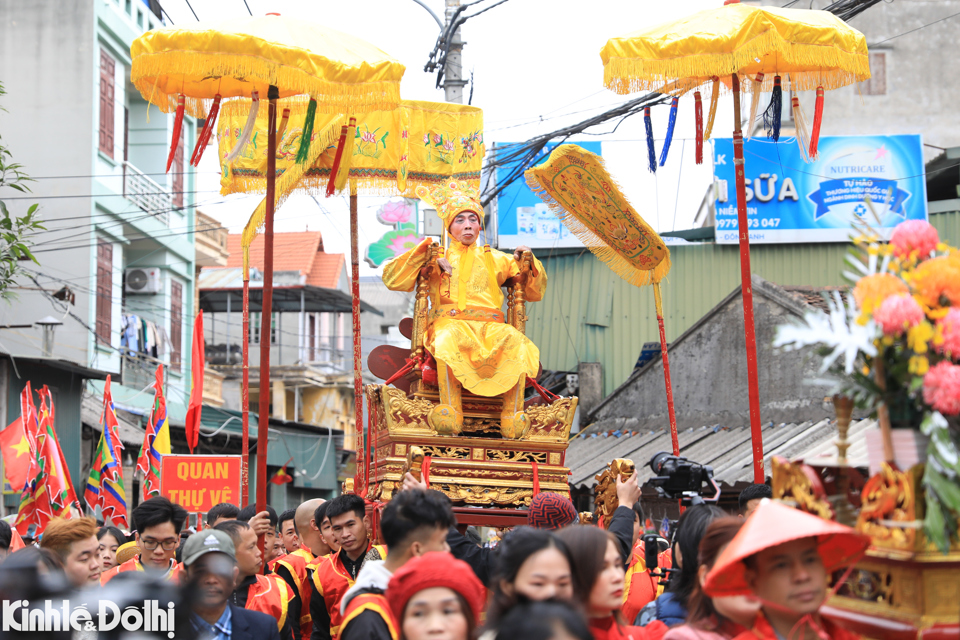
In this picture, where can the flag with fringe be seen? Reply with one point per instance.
(576, 186)
(156, 441)
(35, 509)
(56, 472)
(105, 484)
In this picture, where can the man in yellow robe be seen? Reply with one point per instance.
(467, 335)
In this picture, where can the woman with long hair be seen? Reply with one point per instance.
(715, 618)
(671, 607)
(110, 539)
(532, 565)
(598, 583)
(435, 597)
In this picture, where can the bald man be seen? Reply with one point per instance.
(295, 567)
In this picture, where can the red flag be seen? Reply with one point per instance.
(197, 361)
(105, 484)
(35, 508)
(281, 476)
(56, 473)
(16, 454)
(156, 441)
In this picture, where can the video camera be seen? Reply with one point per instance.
(680, 479)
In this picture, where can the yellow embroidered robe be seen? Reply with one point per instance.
(487, 357)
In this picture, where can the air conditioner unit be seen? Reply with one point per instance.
(142, 280)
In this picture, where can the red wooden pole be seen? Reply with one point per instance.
(666, 369)
(263, 416)
(753, 382)
(362, 457)
(245, 387)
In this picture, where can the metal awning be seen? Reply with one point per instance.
(285, 299)
(69, 366)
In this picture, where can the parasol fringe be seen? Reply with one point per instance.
(247, 132)
(836, 68)
(817, 120)
(771, 117)
(177, 128)
(803, 135)
(671, 123)
(712, 114)
(606, 254)
(306, 133)
(332, 97)
(651, 152)
(209, 126)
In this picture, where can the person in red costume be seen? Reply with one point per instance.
(715, 618)
(598, 577)
(783, 557)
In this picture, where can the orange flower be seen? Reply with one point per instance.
(936, 282)
(872, 290)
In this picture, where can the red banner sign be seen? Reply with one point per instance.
(197, 482)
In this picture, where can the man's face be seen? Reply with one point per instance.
(466, 227)
(326, 532)
(82, 564)
(790, 576)
(249, 559)
(158, 537)
(214, 574)
(350, 532)
(289, 537)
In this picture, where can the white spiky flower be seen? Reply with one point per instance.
(837, 329)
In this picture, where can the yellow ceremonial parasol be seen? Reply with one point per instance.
(773, 49)
(191, 69)
(378, 153)
(575, 184)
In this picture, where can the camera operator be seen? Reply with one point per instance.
(210, 562)
(75, 541)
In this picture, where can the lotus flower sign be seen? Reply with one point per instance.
(792, 201)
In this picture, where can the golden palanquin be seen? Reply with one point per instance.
(477, 466)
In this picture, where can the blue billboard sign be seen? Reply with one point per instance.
(789, 200)
(523, 218)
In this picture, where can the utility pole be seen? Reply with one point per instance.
(453, 81)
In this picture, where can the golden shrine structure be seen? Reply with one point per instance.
(490, 479)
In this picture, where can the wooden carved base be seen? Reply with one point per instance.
(478, 467)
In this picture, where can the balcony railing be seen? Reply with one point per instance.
(147, 194)
(137, 370)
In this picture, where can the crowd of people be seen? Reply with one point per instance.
(339, 570)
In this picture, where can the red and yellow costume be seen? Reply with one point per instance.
(296, 563)
(640, 588)
(270, 595)
(376, 603)
(467, 335)
(332, 580)
(133, 564)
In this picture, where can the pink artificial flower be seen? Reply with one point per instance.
(395, 211)
(368, 136)
(914, 238)
(426, 138)
(437, 138)
(402, 244)
(941, 388)
(448, 145)
(898, 313)
(950, 327)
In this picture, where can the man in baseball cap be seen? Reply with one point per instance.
(210, 561)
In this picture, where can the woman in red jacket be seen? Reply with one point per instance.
(598, 583)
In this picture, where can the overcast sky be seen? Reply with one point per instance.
(536, 67)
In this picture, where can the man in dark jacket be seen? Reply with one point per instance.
(210, 562)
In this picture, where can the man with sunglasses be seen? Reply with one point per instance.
(157, 522)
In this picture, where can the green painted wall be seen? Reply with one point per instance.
(589, 314)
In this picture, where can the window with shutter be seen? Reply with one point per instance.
(877, 84)
(176, 324)
(104, 290)
(178, 173)
(107, 81)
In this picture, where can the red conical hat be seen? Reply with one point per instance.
(772, 524)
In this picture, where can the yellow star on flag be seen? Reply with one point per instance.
(22, 447)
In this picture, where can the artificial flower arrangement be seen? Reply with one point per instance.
(894, 347)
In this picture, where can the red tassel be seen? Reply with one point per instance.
(331, 186)
(536, 478)
(204, 138)
(177, 126)
(425, 470)
(817, 118)
(698, 111)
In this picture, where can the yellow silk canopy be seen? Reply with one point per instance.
(807, 48)
(235, 57)
(419, 143)
(576, 186)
